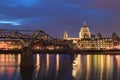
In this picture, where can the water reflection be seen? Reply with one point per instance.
(26, 73)
(76, 72)
(118, 65)
(96, 67)
(61, 67)
(9, 67)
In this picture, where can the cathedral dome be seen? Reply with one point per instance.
(84, 32)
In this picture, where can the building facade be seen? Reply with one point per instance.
(88, 41)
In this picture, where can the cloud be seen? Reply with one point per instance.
(107, 5)
(10, 22)
(19, 3)
(112, 6)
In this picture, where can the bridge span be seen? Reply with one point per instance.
(34, 39)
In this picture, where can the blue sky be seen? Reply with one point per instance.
(56, 16)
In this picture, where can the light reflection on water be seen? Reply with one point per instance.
(61, 67)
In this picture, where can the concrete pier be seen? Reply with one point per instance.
(27, 57)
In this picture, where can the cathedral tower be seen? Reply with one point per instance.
(65, 35)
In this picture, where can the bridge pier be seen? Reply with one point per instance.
(27, 57)
(26, 73)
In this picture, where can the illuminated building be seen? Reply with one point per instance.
(88, 41)
(65, 35)
(9, 45)
(84, 32)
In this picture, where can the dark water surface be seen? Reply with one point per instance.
(61, 67)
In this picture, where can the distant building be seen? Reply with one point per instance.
(84, 32)
(65, 35)
(88, 41)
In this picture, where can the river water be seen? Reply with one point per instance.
(61, 67)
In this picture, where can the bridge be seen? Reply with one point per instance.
(29, 40)
(34, 39)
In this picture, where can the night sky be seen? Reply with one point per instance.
(56, 16)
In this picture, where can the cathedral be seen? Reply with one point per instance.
(88, 41)
(83, 34)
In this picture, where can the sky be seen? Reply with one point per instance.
(56, 16)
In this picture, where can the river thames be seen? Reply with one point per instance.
(61, 67)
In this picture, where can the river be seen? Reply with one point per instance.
(61, 67)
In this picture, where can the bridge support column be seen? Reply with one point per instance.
(26, 73)
(27, 57)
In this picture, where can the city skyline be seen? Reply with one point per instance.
(54, 17)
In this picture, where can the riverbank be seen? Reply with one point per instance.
(64, 51)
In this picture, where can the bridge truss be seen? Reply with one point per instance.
(28, 38)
